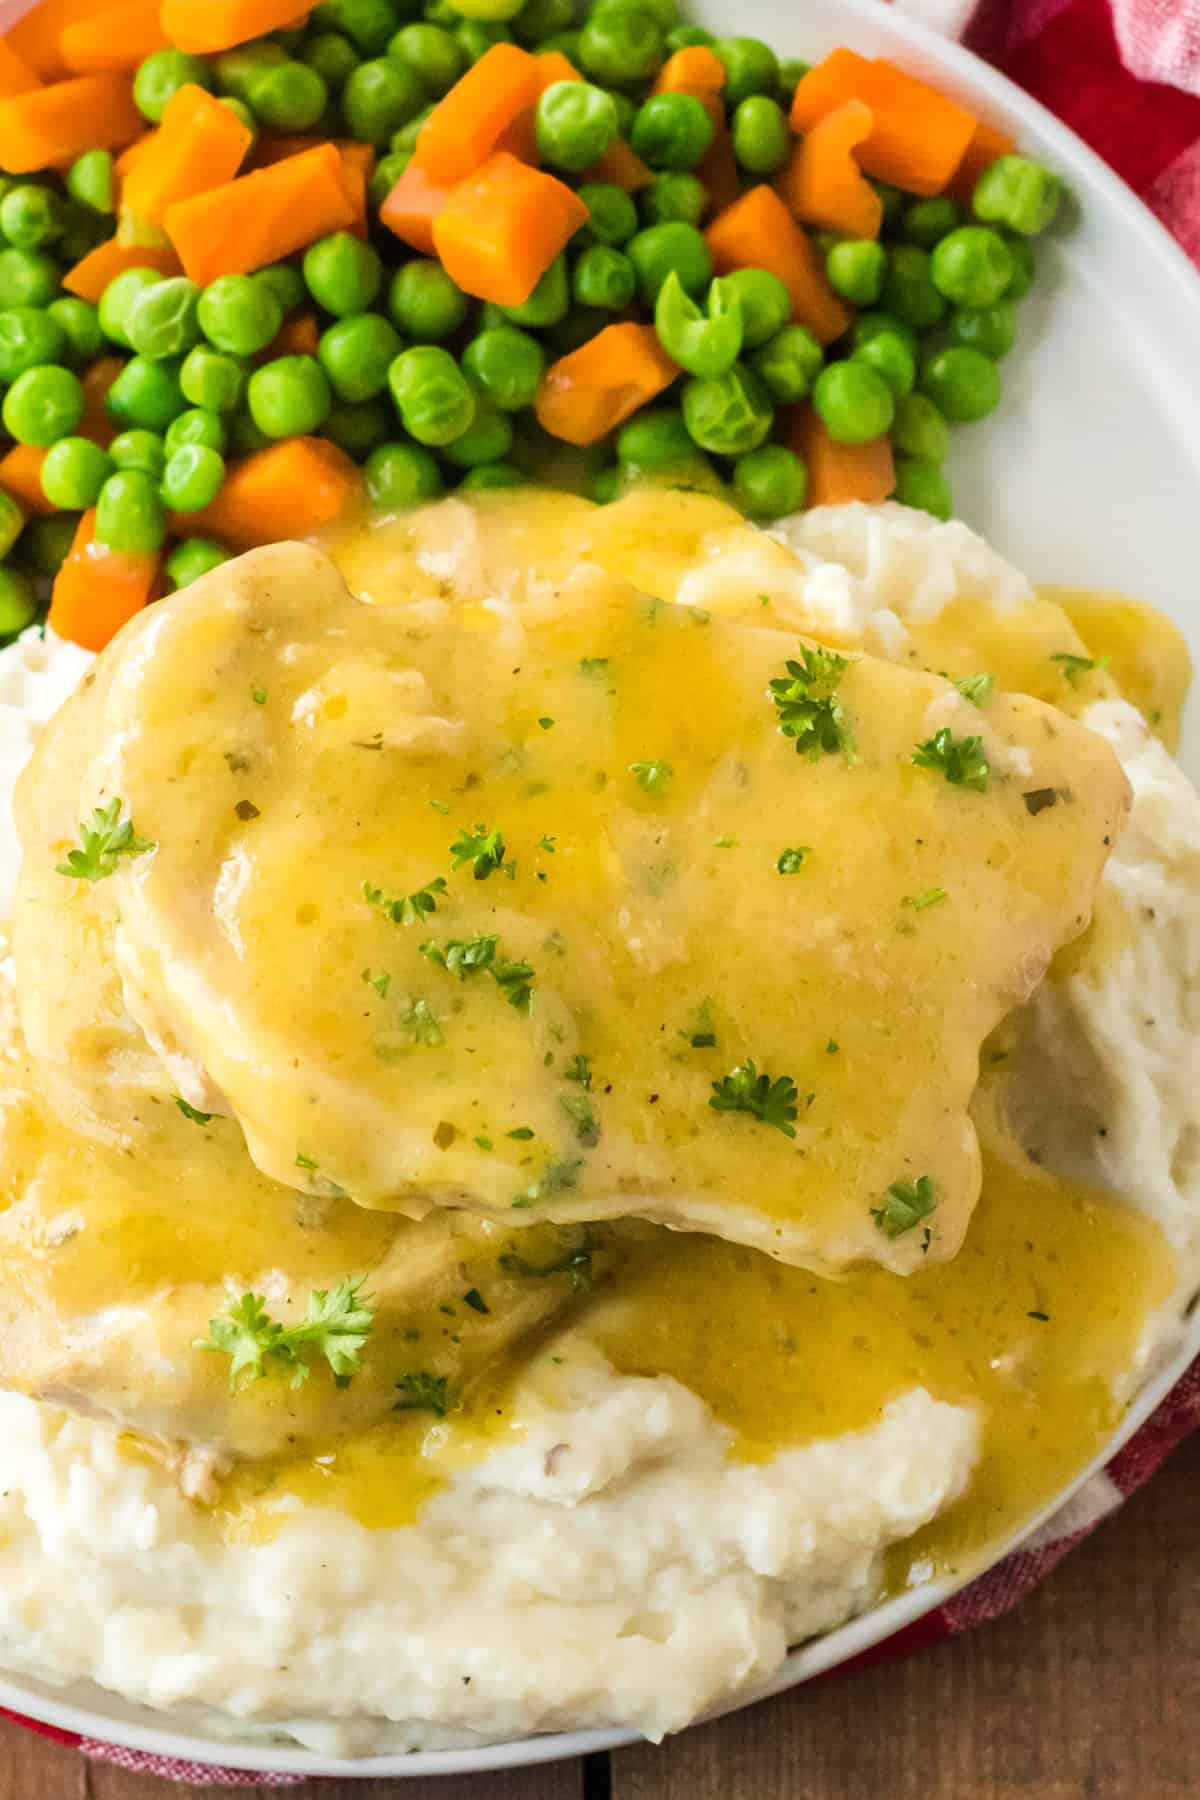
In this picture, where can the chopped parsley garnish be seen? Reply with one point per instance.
(483, 849)
(792, 861)
(546, 724)
(515, 981)
(905, 1205)
(578, 1109)
(652, 777)
(700, 1033)
(422, 1393)
(558, 1176)
(306, 1162)
(575, 1263)
(579, 1069)
(745, 1090)
(406, 909)
(522, 1134)
(977, 689)
(420, 1023)
(963, 761)
(192, 1112)
(462, 957)
(809, 709)
(593, 668)
(439, 806)
(259, 696)
(1044, 1317)
(1076, 667)
(336, 1325)
(105, 841)
(547, 844)
(918, 902)
(381, 983)
(475, 1300)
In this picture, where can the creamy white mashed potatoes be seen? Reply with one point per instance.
(607, 1561)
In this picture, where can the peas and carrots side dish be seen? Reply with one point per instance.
(254, 266)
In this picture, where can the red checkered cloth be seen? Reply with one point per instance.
(1125, 75)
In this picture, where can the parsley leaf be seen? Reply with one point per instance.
(483, 849)
(422, 1393)
(1076, 667)
(336, 1325)
(700, 1033)
(976, 688)
(578, 1108)
(963, 761)
(406, 909)
(475, 1300)
(515, 981)
(306, 1162)
(792, 861)
(905, 1205)
(809, 709)
(652, 777)
(462, 958)
(930, 897)
(558, 1176)
(575, 1263)
(745, 1090)
(105, 841)
(420, 1023)
(191, 1112)
(579, 1069)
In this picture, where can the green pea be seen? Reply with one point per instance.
(145, 393)
(117, 300)
(655, 438)
(1024, 268)
(485, 476)
(475, 37)
(194, 557)
(139, 449)
(684, 37)
(626, 110)
(1018, 193)
(195, 426)
(290, 97)
(12, 522)
(972, 266)
(854, 403)
(424, 302)
(82, 231)
(869, 324)
(540, 19)
(31, 217)
(855, 268)
(791, 73)
(162, 318)
(704, 343)
(887, 354)
(664, 13)
(549, 300)
(379, 97)
(27, 278)
(612, 216)
(431, 52)
(751, 67)
(491, 12)
(161, 75)
(367, 23)
(342, 273)
(43, 405)
(239, 314)
(333, 56)
(285, 282)
(288, 396)
(927, 222)
(603, 277)
(765, 302)
(18, 603)
(487, 439)
(433, 397)
(674, 247)
(235, 69)
(919, 428)
(673, 195)
(908, 289)
(574, 124)
(386, 174)
(992, 329)
(672, 131)
(358, 426)
(963, 383)
(73, 473)
(401, 475)
(212, 379)
(29, 337)
(241, 113)
(244, 436)
(788, 364)
(506, 365)
(728, 414)
(79, 322)
(770, 482)
(46, 541)
(129, 513)
(356, 354)
(620, 48)
(923, 485)
(606, 486)
(762, 141)
(192, 478)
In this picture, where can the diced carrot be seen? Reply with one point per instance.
(37, 38)
(271, 147)
(258, 218)
(114, 39)
(204, 26)
(839, 472)
(718, 170)
(587, 394)
(55, 124)
(97, 589)
(520, 139)
(824, 185)
(132, 155)
(355, 175)
(758, 232)
(95, 381)
(93, 272)
(984, 148)
(467, 123)
(413, 204)
(620, 166)
(16, 76)
(503, 226)
(918, 136)
(553, 66)
(21, 476)
(356, 155)
(199, 145)
(696, 70)
(297, 336)
(286, 491)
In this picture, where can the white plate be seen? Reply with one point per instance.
(1090, 474)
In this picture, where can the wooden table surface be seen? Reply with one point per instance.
(1091, 1691)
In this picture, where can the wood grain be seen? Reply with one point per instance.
(1089, 1692)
